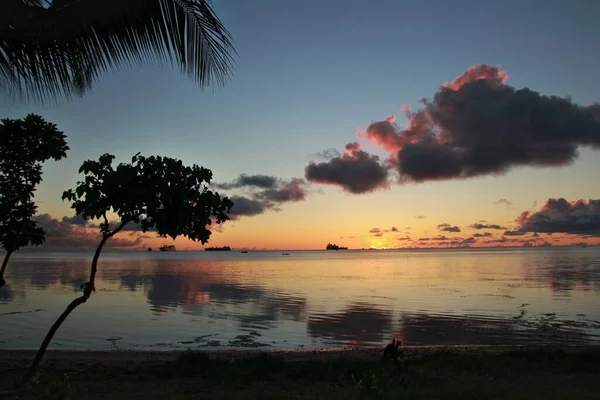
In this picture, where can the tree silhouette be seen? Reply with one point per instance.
(24, 145)
(51, 49)
(158, 193)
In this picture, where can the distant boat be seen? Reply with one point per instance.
(331, 246)
(224, 248)
(244, 251)
(149, 248)
(286, 254)
(168, 247)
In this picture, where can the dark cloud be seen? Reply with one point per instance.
(484, 234)
(513, 233)
(403, 238)
(62, 234)
(75, 220)
(512, 241)
(258, 181)
(479, 125)
(478, 226)
(504, 201)
(327, 154)
(293, 190)
(262, 193)
(448, 228)
(243, 206)
(355, 171)
(469, 240)
(440, 238)
(421, 217)
(380, 232)
(561, 216)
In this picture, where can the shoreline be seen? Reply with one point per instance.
(424, 372)
(119, 355)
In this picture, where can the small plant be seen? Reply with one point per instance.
(60, 390)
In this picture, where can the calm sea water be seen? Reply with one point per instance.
(309, 299)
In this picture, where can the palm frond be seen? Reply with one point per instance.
(57, 49)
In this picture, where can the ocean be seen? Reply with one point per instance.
(308, 299)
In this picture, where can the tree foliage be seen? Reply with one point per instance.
(25, 144)
(157, 193)
(50, 49)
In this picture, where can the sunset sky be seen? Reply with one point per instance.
(320, 134)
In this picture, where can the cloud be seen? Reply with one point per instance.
(476, 125)
(355, 171)
(504, 201)
(403, 238)
(469, 240)
(258, 181)
(293, 190)
(327, 154)
(262, 193)
(448, 228)
(484, 234)
(561, 216)
(64, 235)
(478, 226)
(513, 233)
(440, 238)
(243, 206)
(75, 220)
(382, 231)
(421, 217)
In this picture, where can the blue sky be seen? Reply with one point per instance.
(310, 73)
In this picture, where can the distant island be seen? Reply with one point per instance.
(224, 248)
(331, 246)
(168, 247)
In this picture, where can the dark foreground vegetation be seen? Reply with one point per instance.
(448, 374)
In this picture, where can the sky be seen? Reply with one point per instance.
(320, 134)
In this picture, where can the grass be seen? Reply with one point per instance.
(527, 374)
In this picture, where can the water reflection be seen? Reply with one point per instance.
(7, 294)
(359, 324)
(565, 274)
(425, 329)
(42, 273)
(427, 298)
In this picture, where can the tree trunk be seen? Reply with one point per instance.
(42, 350)
(4, 264)
(87, 292)
(9, 253)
